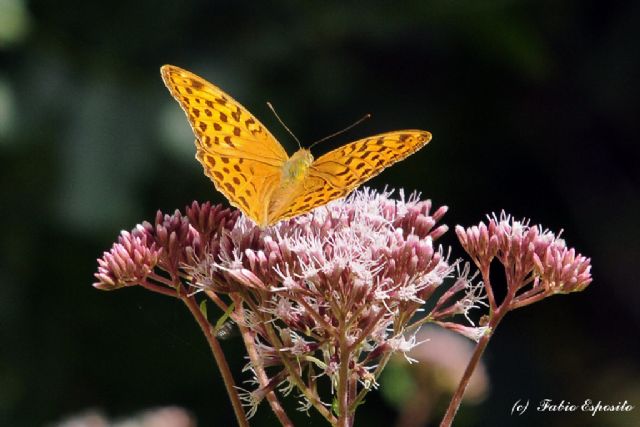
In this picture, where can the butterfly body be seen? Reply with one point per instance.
(248, 165)
(297, 167)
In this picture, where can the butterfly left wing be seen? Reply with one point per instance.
(246, 183)
(240, 156)
(337, 173)
(220, 122)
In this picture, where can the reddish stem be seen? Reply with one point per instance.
(454, 404)
(159, 289)
(247, 337)
(221, 361)
(496, 317)
(345, 418)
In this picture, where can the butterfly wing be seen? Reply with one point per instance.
(337, 173)
(238, 153)
(247, 184)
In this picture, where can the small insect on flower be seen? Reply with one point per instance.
(226, 330)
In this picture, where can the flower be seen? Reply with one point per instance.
(417, 389)
(128, 262)
(531, 256)
(330, 295)
(336, 287)
(168, 244)
(168, 416)
(349, 275)
(562, 270)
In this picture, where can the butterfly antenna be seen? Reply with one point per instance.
(362, 119)
(283, 125)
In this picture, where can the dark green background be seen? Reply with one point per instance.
(533, 106)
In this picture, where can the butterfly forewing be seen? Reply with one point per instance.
(219, 121)
(238, 153)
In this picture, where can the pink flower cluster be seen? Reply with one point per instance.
(333, 293)
(167, 245)
(338, 285)
(335, 286)
(537, 263)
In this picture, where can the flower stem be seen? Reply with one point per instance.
(454, 404)
(220, 359)
(159, 289)
(345, 418)
(257, 364)
(291, 368)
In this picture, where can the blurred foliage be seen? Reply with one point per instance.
(533, 106)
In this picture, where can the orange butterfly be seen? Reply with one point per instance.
(250, 167)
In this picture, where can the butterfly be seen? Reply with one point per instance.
(250, 167)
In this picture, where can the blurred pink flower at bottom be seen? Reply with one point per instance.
(442, 358)
(169, 416)
(448, 353)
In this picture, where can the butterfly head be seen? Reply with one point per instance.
(296, 168)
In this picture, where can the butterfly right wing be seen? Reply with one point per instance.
(338, 172)
(238, 153)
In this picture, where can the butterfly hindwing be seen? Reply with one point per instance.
(246, 183)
